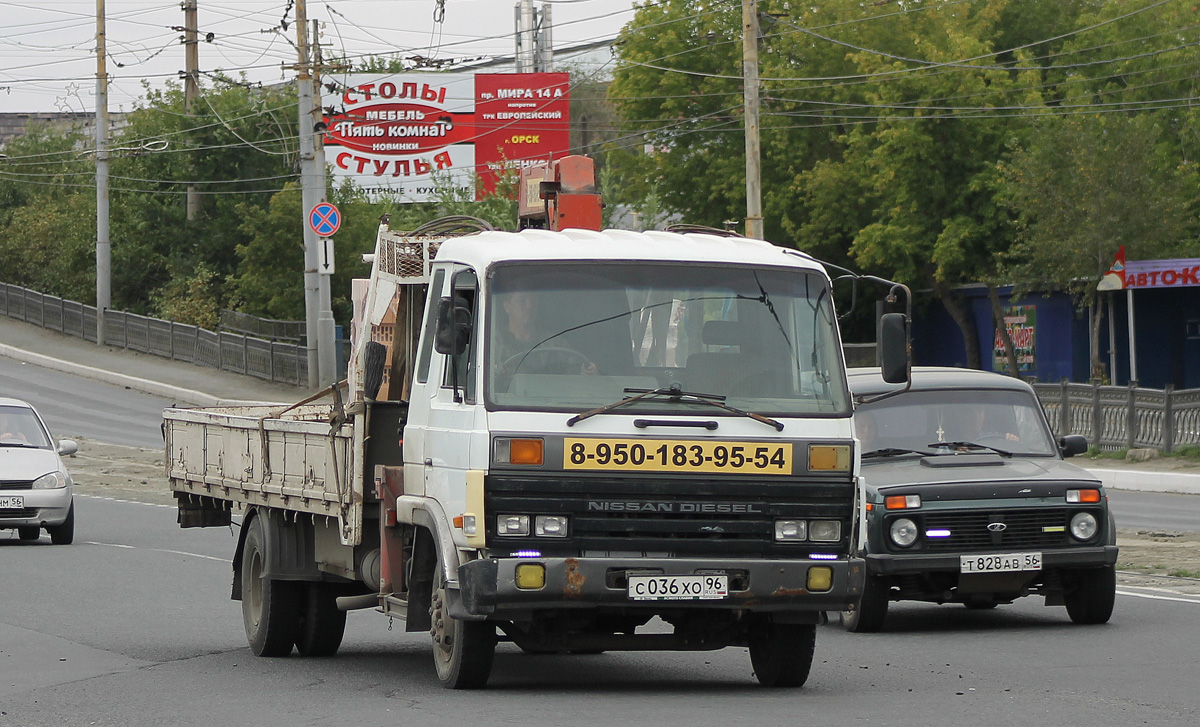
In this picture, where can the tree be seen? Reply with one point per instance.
(1085, 186)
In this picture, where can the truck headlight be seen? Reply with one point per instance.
(512, 525)
(789, 531)
(825, 531)
(550, 526)
(1084, 526)
(904, 532)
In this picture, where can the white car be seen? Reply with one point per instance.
(35, 487)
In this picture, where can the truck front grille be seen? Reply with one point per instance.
(675, 515)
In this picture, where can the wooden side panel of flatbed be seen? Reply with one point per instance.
(251, 455)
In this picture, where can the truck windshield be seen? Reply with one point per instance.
(568, 336)
(921, 420)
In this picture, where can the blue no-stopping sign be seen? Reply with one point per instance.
(324, 219)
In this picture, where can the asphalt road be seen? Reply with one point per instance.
(1155, 511)
(75, 406)
(133, 626)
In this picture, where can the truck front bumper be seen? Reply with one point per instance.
(488, 587)
(897, 564)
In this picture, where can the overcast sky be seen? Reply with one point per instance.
(48, 58)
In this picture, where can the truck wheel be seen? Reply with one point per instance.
(32, 532)
(63, 534)
(322, 623)
(270, 608)
(872, 610)
(462, 650)
(782, 654)
(1091, 599)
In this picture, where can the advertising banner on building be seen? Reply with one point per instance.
(399, 135)
(1133, 274)
(1021, 322)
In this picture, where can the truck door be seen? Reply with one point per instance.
(444, 411)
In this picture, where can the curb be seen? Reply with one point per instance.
(1143, 481)
(168, 391)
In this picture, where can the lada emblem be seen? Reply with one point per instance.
(997, 527)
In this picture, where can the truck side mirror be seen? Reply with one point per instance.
(453, 326)
(893, 348)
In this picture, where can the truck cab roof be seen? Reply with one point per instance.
(482, 249)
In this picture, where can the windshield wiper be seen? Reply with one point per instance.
(675, 392)
(23, 445)
(892, 451)
(963, 446)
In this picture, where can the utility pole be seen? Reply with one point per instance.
(545, 39)
(318, 322)
(103, 246)
(326, 328)
(754, 219)
(191, 85)
(526, 37)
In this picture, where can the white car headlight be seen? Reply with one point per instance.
(51, 481)
(904, 532)
(1084, 526)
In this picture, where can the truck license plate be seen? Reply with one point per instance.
(1000, 563)
(12, 502)
(671, 455)
(711, 587)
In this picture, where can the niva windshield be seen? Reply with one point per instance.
(921, 420)
(572, 336)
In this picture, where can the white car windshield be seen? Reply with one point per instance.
(572, 336)
(19, 427)
(920, 420)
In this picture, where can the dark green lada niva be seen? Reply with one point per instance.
(968, 500)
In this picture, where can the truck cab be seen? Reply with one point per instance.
(605, 427)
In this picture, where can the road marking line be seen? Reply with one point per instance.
(127, 502)
(194, 555)
(159, 550)
(1158, 598)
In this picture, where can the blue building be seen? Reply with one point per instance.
(1166, 320)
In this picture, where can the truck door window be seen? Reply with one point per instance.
(464, 291)
(435, 291)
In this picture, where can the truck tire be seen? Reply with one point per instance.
(63, 534)
(1094, 592)
(270, 607)
(782, 654)
(868, 618)
(462, 650)
(322, 623)
(31, 532)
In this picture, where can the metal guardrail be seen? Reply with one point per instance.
(267, 328)
(273, 361)
(1123, 417)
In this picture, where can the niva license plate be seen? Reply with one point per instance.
(711, 587)
(1000, 563)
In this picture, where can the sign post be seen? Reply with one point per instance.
(325, 219)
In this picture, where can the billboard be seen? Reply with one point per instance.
(1021, 322)
(399, 134)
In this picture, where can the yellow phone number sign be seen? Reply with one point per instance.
(675, 455)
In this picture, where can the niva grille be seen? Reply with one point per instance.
(1029, 528)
